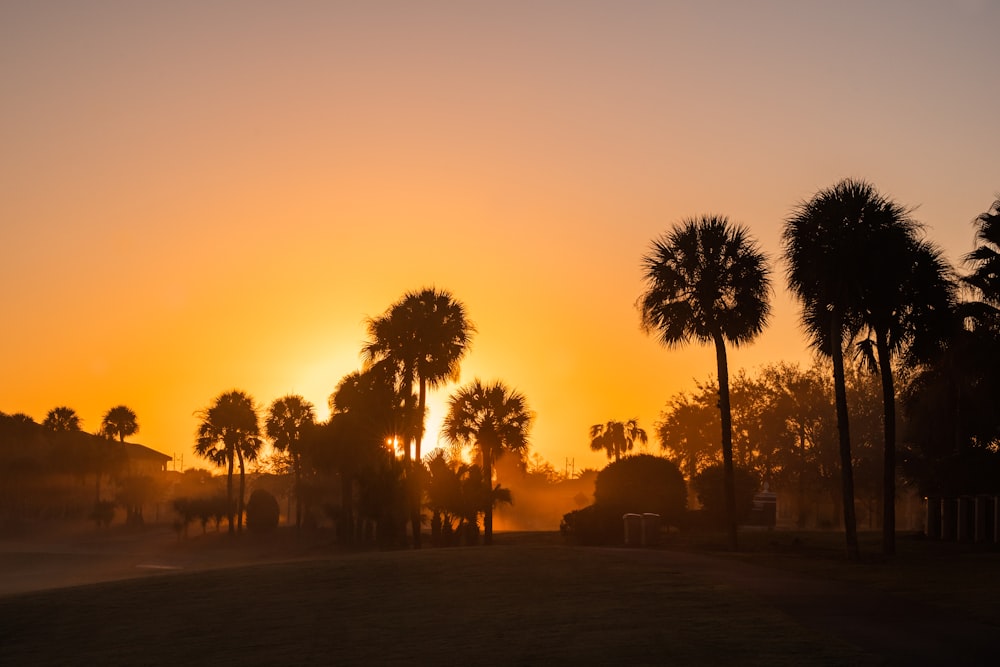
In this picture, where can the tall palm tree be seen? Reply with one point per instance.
(424, 335)
(287, 424)
(62, 419)
(707, 280)
(906, 304)
(492, 419)
(230, 430)
(833, 245)
(615, 438)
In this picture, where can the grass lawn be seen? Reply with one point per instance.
(529, 599)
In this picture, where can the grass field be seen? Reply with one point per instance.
(528, 600)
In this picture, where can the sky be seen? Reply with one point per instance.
(201, 196)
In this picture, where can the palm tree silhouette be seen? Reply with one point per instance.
(230, 430)
(424, 336)
(62, 419)
(120, 422)
(369, 414)
(616, 438)
(906, 303)
(706, 280)
(287, 424)
(492, 419)
(985, 259)
(834, 245)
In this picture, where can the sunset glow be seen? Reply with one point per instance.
(198, 198)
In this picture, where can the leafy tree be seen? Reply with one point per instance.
(61, 420)
(492, 419)
(707, 484)
(287, 424)
(706, 280)
(642, 483)
(230, 430)
(616, 438)
(688, 430)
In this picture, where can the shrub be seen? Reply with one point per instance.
(709, 484)
(641, 484)
(262, 512)
(594, 525)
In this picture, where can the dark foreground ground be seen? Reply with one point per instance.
(529, 599)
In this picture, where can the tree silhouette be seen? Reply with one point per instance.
(424, 336)
(616, 438)
(985, 259)
(706, 280)
(492, 419)
(230, 430)
(906, 302)
(120, 422)
(369, 414)
(287, 424)
(854, 262)
(62, 420)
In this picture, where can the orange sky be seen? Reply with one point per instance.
(199, 196)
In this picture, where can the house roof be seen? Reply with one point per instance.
(137, 451)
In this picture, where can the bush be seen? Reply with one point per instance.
(709, 484)
(262, 512)
(641, 484)
(593, 526)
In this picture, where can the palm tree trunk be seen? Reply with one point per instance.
(229, 493)
(488, 513)
(422, 412)
(298, 494)
(727, 440)
(239, 508)
(417, 491)
(889, 447)
(843, 428)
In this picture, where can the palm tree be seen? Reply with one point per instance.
(834, 244)
(62, 419)
(368, 414)
(230, 430)
(616, 437)
(424, 336)
(905, 305)
(985, 259)
(706, 280)
(492, 419)
(287, 423)
(120, 422)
